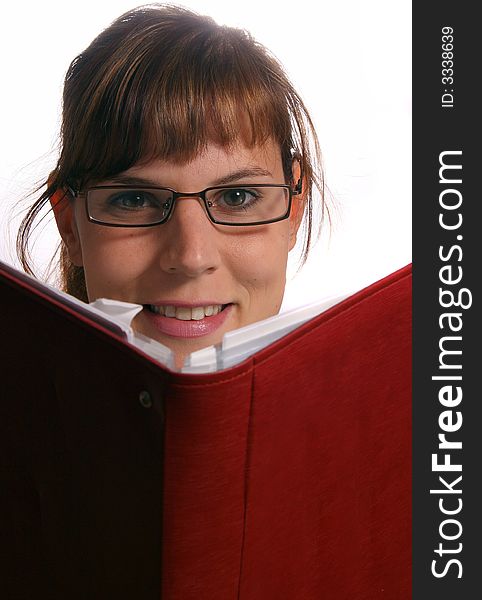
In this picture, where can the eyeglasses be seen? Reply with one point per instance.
(240, 205)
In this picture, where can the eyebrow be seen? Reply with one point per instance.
(243, 174)
(235, 176)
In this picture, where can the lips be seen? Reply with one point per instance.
(187, 321)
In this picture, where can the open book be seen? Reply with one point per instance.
(285, 476)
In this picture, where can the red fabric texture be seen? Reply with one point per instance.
(285, 477)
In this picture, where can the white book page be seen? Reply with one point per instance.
(239, 344)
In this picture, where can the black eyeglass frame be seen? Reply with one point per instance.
(202, 194)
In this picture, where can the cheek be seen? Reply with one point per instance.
(114, 260)
(260, 264)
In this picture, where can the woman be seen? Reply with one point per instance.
(187, 164)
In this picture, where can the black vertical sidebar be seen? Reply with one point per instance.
(447, 343)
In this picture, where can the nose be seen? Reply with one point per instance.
(190, 241)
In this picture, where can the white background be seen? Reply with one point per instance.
(349, 59)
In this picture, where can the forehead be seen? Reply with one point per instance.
(214, 165)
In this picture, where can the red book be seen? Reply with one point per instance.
(287, 476)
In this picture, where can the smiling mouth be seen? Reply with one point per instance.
(186, 313)
(187, 321)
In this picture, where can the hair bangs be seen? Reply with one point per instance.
(152, 100)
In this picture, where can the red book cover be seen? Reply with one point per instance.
(287, 476)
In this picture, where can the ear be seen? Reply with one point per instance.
(297, 205)
(63, 207)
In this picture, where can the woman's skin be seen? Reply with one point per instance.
(189, 261)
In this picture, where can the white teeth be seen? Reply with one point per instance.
(170, 311)
(197, 313)
(185, 313)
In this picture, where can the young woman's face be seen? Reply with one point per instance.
(189, 264)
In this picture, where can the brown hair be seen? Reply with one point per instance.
(152, 85)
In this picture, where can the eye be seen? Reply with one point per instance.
(237, 197)
(133, 200)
